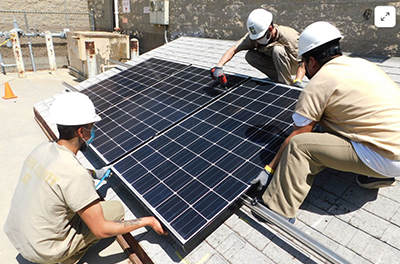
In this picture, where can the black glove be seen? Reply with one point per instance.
(217, 73)
(297, 83)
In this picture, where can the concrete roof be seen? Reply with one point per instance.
(361, 225)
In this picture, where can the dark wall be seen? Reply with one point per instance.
(226, 20)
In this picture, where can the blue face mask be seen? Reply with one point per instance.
(90, 140)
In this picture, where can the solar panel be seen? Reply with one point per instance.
(190, 174)
(137, 119)
(115, 89)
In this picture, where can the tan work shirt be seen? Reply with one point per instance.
(357, 100)
(286, 37)
(52, 187)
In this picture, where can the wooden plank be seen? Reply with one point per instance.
(135, 247)
(43, 125)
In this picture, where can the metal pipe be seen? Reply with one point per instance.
(134, 48)
(57, 35)
(34, 34)
(91, 17)
(91, 59)
(293, 231)
(30, 44)
(15, 25)
(72, 88)
(17, 54)
(165, 34)
(30, 34)
(8, 65)
(104, 67)
(50, 52)
(31, 55)
(116, 15)
(3, 66)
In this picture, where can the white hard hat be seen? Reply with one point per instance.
(72, 109)
(258, 23)
(317, 34)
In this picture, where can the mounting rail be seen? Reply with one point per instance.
(292, 230)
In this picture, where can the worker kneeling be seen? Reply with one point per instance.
(271, 49)
(357, 106)
(56, 213)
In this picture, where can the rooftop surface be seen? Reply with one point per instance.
(361, 225)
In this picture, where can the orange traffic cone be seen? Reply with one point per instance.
(8, 94)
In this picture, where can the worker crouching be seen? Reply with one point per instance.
(56, 213)
(357, 106)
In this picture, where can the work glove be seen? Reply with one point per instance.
(263, 178)
(99, 173)
(217, 73)
(297, 83)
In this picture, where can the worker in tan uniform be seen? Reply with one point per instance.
(357, 106)
(272, 49)
(56, 213)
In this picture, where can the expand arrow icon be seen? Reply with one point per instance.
(387, 14)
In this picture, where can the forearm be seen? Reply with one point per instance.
(227, 56)
(111, 228)
(93, 216)
(301, 71)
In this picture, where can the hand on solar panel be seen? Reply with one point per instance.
(263, 178)
(156, 225)
(217, 73)
(297, 83)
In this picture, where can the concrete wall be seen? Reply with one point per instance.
(103, 13)
(56, 20)
(40, 16)
(226, 19)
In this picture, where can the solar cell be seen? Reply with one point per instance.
(135, 120)
(191, 173)
(130, 81)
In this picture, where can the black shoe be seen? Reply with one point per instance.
(374, 183)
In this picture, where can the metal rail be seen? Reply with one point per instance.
(293, 231)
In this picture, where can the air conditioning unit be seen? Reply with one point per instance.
(88, 51)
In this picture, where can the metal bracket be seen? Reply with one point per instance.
(292, 231)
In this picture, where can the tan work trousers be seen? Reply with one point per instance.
(305, 156)
(84, 238)
(274, 62)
